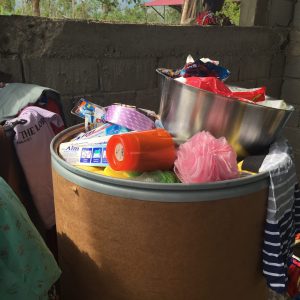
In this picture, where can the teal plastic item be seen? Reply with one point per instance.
(27, 267)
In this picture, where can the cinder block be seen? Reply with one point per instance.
(293, 48)
(294, 120)
(292, 68)
(232, 63)
(148, 99)
(105, 99)
(11, 65)
(281, 12)
(297, 162)
(295, 34)
(172, 62)
(292, 135)
(273, 86)
(108, 98)
(247, 15)
(277, 65)
(255, 67)
(67, 105)
(296, 19)
(127, 74)
(290, 91)
(71, 77)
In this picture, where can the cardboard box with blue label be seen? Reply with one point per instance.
(87, 152)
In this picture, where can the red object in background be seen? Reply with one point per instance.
(294, 278)
(52, 105)
(294, 273)
(141, 151)
(254, 95)
(214, 85)
(211, 84)
(206, 18)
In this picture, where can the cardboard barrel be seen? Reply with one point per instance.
(125, 240)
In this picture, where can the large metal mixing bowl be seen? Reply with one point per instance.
(249, 128)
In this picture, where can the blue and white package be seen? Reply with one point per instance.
(204, 68)
(87, 152)
(92, 114)
(104, 130)
(84, 107)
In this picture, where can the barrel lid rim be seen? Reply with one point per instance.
(264, 176)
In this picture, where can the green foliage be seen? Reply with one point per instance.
(7, 7)
(140, 14)
(231, 10)
(130, 11)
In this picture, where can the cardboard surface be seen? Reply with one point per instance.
(114, 248)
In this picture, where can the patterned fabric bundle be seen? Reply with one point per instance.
(283, 215)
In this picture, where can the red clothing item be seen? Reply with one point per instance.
(294, 278)
(206, 18)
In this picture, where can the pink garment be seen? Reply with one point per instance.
(32, 143)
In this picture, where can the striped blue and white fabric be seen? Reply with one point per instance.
(283, 215)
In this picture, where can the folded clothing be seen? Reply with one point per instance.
(16, 96)
(32, 143)
(283, 214)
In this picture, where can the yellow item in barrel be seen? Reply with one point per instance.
(97, 170)
(108, 171)
(240, 168)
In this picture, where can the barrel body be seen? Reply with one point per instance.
(126, 240)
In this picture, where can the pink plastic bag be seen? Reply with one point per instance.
(204, 158)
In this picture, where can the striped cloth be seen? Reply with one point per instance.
(283, 215)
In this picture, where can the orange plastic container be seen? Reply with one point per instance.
(141, 151)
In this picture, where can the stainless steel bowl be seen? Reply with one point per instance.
(249, 128)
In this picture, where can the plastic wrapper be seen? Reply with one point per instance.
(170, 72)
(199, 68)
(157, 176)
(203, 67)
(104, 130)
(97, 170)
(90, 112)
(108, 171)
(130, 117)
(255, 94)
(275, 103)
(216, 86)
(204, 158)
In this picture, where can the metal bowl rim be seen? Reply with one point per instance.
(258, 106)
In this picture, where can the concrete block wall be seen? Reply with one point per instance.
(277, 13)
(116, 62)
(280, 12)
(291, 83)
